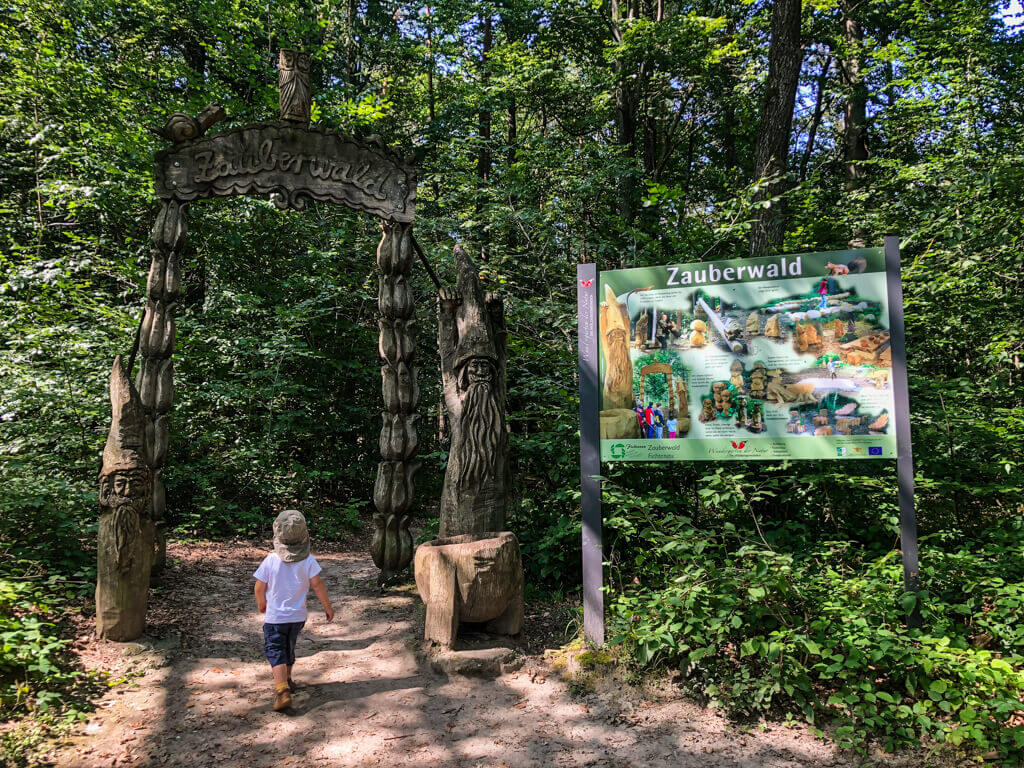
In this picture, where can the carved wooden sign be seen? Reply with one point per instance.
(292, 164)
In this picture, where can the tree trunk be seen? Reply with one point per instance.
(625, 130)
(510, 160)
(819, 109)
(513, 132)
(431, 96)
(483, 165)
(195, 59)
(773, 133)
(625, 136)
(855, 135)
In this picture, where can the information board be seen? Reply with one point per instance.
(761, 358)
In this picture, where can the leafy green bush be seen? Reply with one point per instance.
(758, 619)
(41, 683)
(32, 671)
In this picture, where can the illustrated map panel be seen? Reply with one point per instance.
(764, 358)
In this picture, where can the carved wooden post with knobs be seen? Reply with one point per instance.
(155, 379)
(394, 491)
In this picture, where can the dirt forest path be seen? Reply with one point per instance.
(203, 694)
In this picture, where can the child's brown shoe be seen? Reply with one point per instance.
(283, 700)
(292, 686)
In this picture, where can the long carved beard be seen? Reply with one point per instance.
(126, 515)
(619, 366)
(481, 434)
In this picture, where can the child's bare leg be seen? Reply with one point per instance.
(281, 673)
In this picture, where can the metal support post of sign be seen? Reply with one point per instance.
(590, 454)
(904, 453)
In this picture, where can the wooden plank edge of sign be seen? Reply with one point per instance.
(904, 450)
(590, 454)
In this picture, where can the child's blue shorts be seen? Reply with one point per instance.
(279, 642)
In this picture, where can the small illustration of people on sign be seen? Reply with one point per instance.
(823, 292)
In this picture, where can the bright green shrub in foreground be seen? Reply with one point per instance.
(32, 670)
(39, 676)
(757, 623)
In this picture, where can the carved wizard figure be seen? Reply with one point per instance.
(471, 340)
(617, 417)
(641, 331)
(473, 571)
(293, 82)
(125, 540)
(618, 379)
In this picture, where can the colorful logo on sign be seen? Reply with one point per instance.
(740, 445)
(618, 451)
(840, 451)
(874, 450)
(586, 283)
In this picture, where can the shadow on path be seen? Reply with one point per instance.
(365, 700)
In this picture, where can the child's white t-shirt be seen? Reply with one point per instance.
(287, 587)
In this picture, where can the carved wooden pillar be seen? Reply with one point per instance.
(124, 541)
(394, 490)
(155, 377)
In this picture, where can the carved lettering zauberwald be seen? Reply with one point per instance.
(290, 162)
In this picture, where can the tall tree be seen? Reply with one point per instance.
(816, 115)
(771, 153)
(625, 119)
(483, 163)
(855, 133)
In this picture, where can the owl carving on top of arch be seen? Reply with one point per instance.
(293, 83)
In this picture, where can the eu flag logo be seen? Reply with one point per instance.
(874, 450)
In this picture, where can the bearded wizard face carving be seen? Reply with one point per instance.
(126, 481)
(125, 494)
(293, 82)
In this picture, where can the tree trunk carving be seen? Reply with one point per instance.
(394, 491)
(155, 377)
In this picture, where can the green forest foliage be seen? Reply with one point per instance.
(545, 133)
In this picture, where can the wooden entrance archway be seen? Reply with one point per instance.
(292, 162)
(655, 369)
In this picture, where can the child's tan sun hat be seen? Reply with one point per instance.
(291, 539)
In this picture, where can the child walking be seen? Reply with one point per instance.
(282, 582)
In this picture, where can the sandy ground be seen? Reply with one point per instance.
(202, 692)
